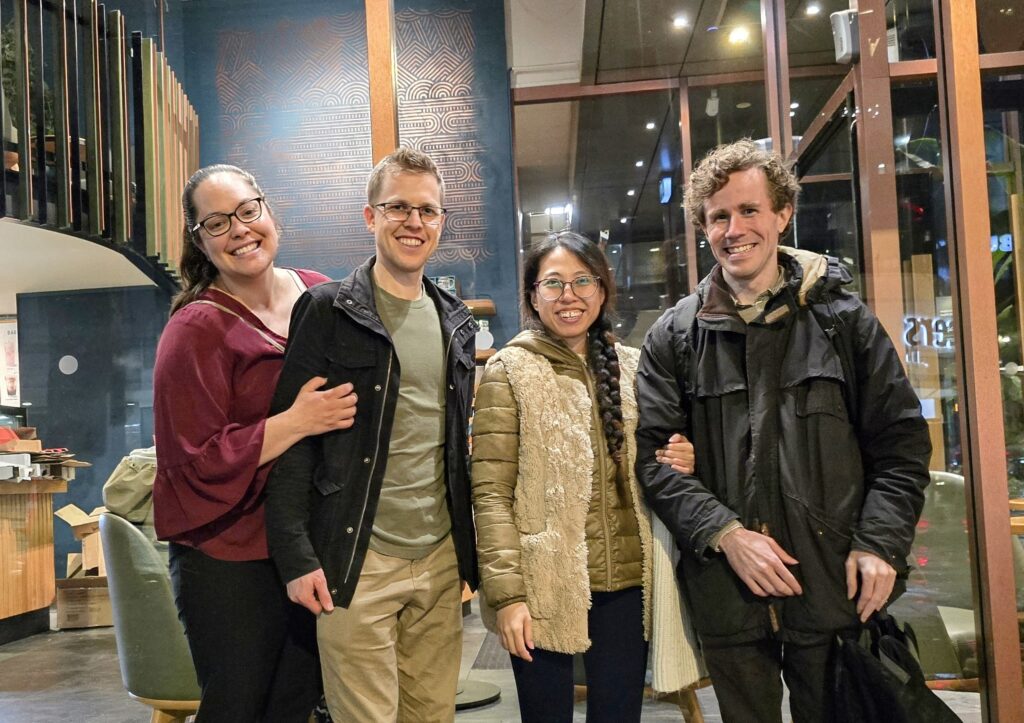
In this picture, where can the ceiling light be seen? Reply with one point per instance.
(794, 105)
(631, 192)
(650, 125)
(680, 21)
(813, 9)
(792, 113)
(623, 219)
(639, 164)
(739, 34)
(743, 105)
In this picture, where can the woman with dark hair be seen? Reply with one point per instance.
(216, 368)
(567, 555)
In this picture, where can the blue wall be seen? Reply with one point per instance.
(103, 410)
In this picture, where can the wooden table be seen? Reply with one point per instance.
(27, 577)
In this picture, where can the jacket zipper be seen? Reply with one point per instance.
(595, 417)
(376, 449)
(773, 617)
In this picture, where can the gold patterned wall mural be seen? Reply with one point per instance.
(440, 111)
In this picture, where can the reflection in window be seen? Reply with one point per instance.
(910, 33)
(608, 167)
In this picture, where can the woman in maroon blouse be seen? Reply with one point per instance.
(216, 368)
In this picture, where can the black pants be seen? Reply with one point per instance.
(616, 664)
(254, 650)
(747, 681)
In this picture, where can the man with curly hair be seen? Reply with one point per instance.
(812, 453)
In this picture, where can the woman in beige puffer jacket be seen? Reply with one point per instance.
(567, 556)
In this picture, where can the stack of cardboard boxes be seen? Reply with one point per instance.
(82, 597)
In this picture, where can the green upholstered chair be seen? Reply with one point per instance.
(156, 665)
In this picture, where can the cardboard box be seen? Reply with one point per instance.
(92, 555)
(83, 602)
(81, 524)
(22, 445)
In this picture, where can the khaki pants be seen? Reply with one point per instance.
(394, 653)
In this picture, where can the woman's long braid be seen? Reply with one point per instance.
(604, 363)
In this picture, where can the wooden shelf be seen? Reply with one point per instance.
(480, 307)
(37, 485)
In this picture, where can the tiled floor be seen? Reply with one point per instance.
(74, 676)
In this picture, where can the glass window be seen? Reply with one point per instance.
(809, 32)
(608, 167)
(999, 26)
(826, 220)
(939, 602)
(910, 33)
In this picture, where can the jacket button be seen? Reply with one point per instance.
(334, 591)
(451, 387)
(376, 387)
(366, 460)
(349, 530)
(348, 301)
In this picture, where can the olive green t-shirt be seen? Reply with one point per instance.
(412, 515)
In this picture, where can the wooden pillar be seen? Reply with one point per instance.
(876, 161)
(380, 43)
(980, 396)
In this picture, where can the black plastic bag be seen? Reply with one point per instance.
(875, 677)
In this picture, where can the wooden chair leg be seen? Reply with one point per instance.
(169, 716)
(690, 707)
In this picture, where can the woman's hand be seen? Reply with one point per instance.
(317, 412)
(678, 453)
(515, 629)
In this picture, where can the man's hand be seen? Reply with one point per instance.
(761, 563)
(311, 592)
(515, 627)
(877, 578)
(678, 454)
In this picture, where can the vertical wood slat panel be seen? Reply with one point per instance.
(117, 118)
(139, 227)
(147, 100)
(37, 116)
(26, 205)
(75, 71)
(61, 136)
(26, 553)
(95, 151)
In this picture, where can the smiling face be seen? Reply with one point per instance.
(569, 318)
(744, 231)
(404, 247)
(246, 250)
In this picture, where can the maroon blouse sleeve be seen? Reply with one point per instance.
(207, 460)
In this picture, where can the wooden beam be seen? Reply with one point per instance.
(380, 42)
(577, 91)
(979, 386)
(879, 215)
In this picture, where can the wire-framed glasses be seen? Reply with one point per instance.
(582, 286)
(429, 215)
(217, 224)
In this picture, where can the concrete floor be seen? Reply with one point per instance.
(73, 675)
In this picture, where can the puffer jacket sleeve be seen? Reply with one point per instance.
(495, 469)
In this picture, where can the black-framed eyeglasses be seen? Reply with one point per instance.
(429, 215)
(217, 224)
(552, 289)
